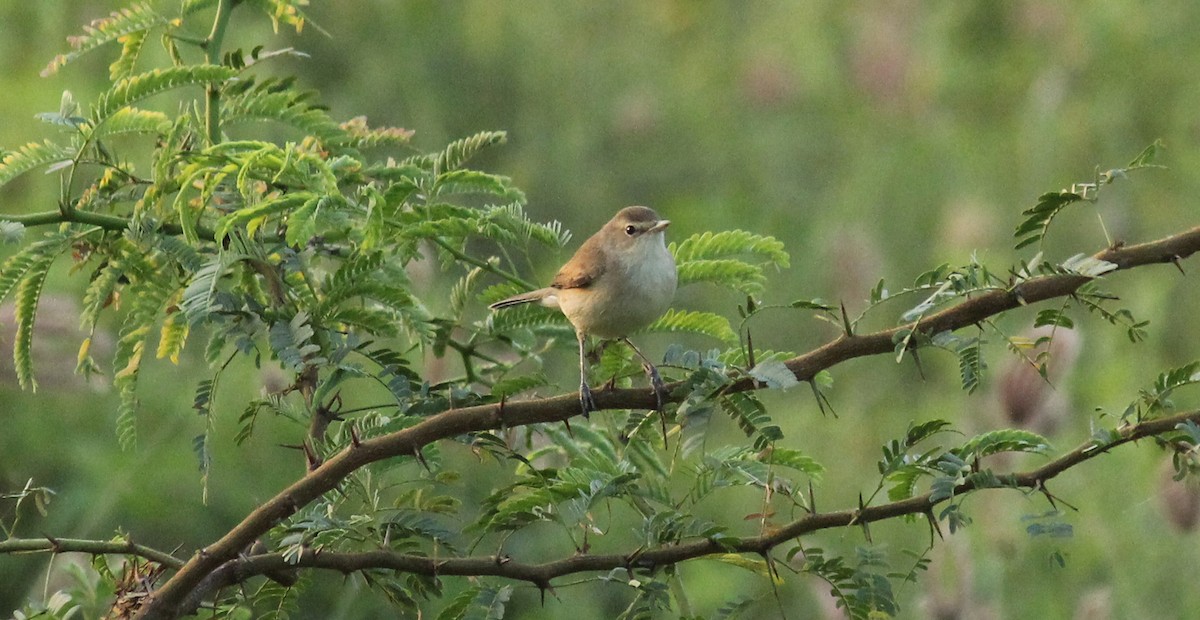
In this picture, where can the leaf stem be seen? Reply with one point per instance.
(212, 54)
(486, 266)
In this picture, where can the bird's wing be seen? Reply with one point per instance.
(582, 270)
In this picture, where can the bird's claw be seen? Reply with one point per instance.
(586, 402)
(660, 390)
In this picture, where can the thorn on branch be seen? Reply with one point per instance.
(1175, 260)
(500, 410)
(749, 349)
(292, 506)
(772, 569)
(1050, 497)
(311, 458)
(634, 560)
(847, 328)
(934, 527)
(866, 528)
(55, 545)
(355, 439)
(917, 360)
(421, 459)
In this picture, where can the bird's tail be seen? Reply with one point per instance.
(523, 298)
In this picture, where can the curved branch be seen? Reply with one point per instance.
(540, 575)
(94, 547)
(454, 422)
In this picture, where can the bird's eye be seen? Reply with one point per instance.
(631, 230)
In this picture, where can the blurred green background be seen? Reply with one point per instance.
(877, 139)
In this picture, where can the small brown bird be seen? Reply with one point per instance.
(620, 280)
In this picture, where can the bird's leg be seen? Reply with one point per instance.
(585, 393)
(660, 390)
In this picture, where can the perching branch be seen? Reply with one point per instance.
(454, 422)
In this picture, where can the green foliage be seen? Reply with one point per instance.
(130, 90)
(694, 321)
(711, 257)
(129, 23)
(478, 603)
(30, 156)
(1049, 205)
(1155, 401)
(360, 277)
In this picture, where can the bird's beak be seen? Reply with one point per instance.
(660, 226)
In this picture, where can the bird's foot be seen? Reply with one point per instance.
(660, 396)
(586, 402)
(660, 390)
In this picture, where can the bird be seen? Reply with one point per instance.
(619, 281)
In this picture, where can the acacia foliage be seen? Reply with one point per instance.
(296, 253)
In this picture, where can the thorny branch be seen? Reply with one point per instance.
(166, 602)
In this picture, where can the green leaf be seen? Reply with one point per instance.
(135, 88)
(278, 100)
(362, 136)
(489, 604)
(775, 374)
(694, 321)
(1004, 440)
(200, 293)
(812, 304)
(128, 22)
(726, 272)
(273, 206)
(515, 385)
(1055, 317)
(31, 156)
(302, 221)
(730, 243)
(734, 608)
(28, 294)
(751, 416)
(291, 342)
(793, 459)
(1156, 399)
(1037, 221)
(148, 297)
(1146, 157)
(475, 182)
(456, 154)
(970, 357)
(173, 336)
(126, 62)
(132, 120)
(512, 218)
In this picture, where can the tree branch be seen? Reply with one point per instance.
(454, 422)
(540, 575)
(94, 547)
(114, 223)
